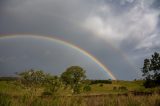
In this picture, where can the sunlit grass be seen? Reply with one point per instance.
(109, 88)
(108, 100)
(100, 95)
(11, 88)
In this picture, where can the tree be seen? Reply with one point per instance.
(32, 77)
(151, 70)
(52, 83)
(35, 78)
(73, 77)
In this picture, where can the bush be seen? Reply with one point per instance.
(86, 88)
(101, 85)
(114, 88)
(8, 78)
(123, 88)
(150, 83)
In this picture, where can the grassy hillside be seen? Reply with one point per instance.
(14, 94)
(12, 88)
(114, 87)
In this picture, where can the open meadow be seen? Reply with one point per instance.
(118, 93)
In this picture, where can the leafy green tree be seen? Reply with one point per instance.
(53, 83)
(73, 77)
(32, 80)
(32, 77)
(151, 70)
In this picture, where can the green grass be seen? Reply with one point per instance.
(108, 88)
(112, 100)
(12, 88)
(13, 94)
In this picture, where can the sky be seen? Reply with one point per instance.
(119, 33)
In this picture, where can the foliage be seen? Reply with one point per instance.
(114, 88)
(98, 96)
(53, 83)
(101, 85)
(37, 78)
(151, 71)
(86, 88)
(123, 88)
(73, 77)
(32, 77)
(101, 81)
(8, 78)
(109, 94)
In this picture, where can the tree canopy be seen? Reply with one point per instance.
(151, 70)
(73, 77)
(32, 77)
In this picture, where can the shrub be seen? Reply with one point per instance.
(114, 88)
(101, 85)
(149, 83)
(86, 88)
(123, 88)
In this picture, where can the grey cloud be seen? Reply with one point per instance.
(156, 4)
(31, 53)
(95, 26)
(130, 29)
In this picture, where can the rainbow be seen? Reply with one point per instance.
(70, 45)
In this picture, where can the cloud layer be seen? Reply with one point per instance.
(120, 33)
(136, 23)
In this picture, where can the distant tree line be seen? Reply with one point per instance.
(101, 81)
(8, 78)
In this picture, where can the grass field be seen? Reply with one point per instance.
(13, 94)
(108, 88)
(13, 88)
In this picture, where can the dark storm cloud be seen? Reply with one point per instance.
(21, 53)
(39, 17)
(3, 3)
(156, 4)
(130, 25)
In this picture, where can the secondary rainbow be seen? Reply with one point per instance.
(70, 45)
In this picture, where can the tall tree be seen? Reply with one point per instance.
(73, 77)
(151, 70)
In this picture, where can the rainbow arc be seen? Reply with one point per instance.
(69, 45)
